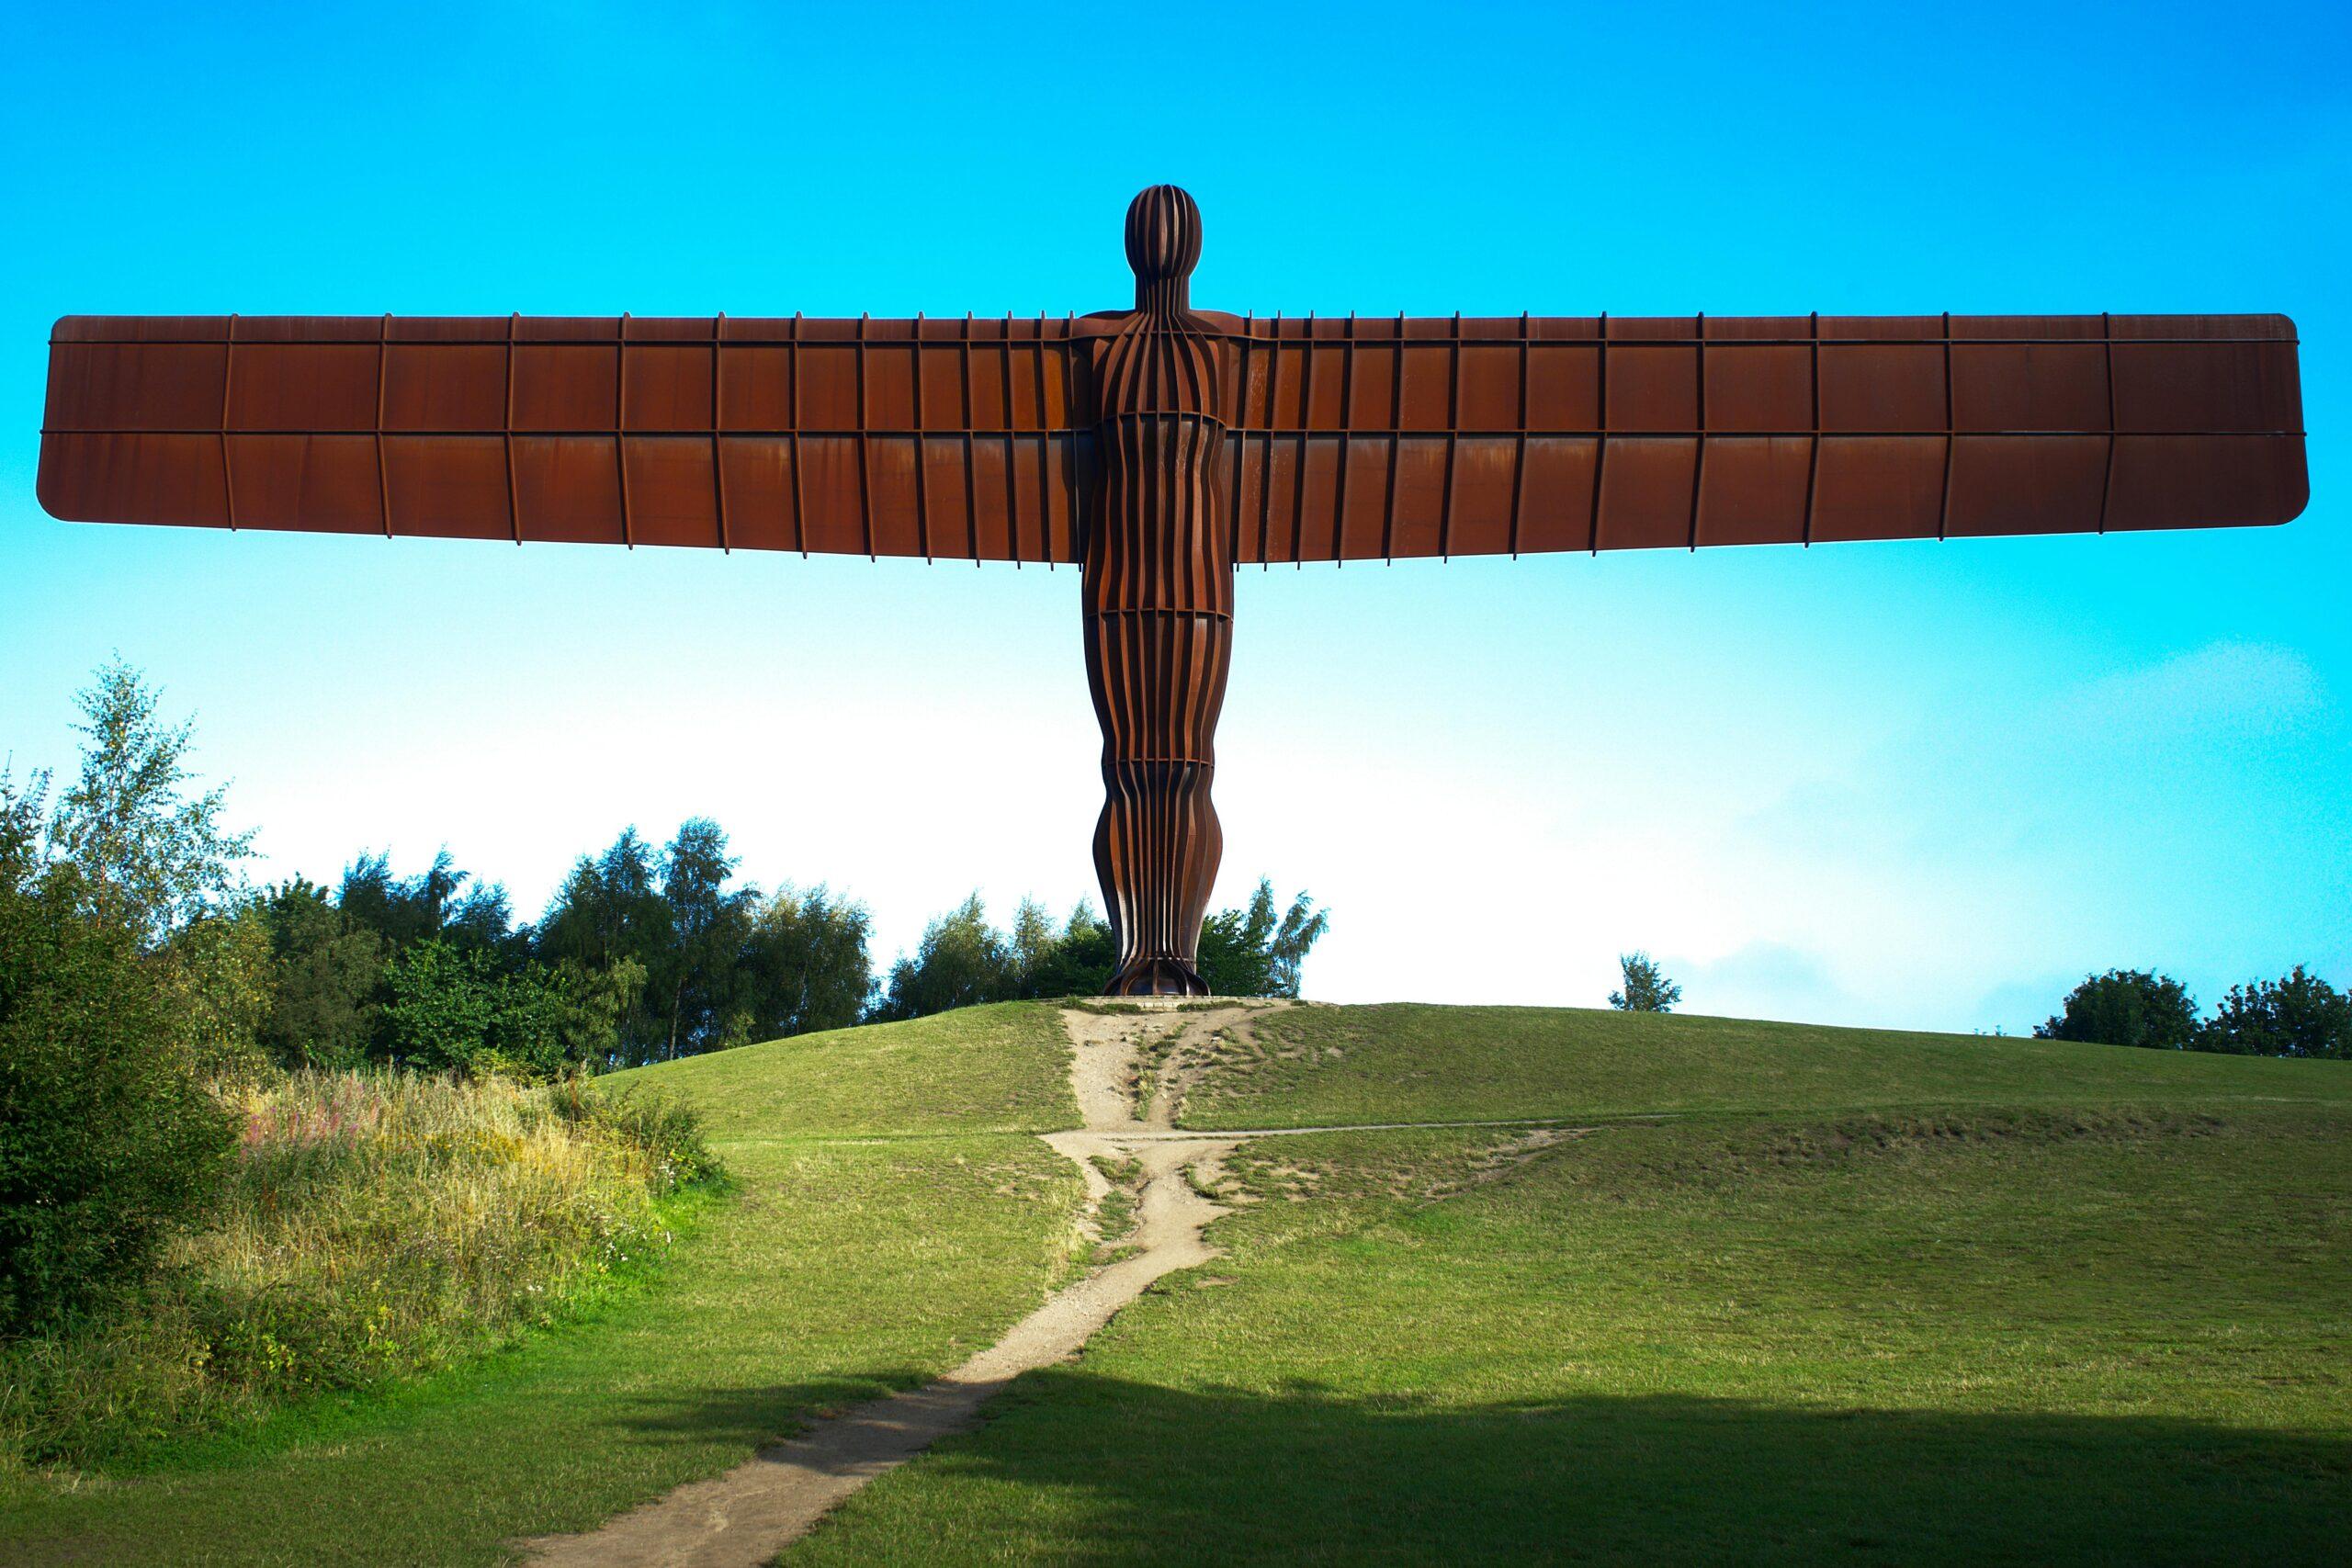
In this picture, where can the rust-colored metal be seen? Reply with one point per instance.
(1160, 448)
(1159, 596)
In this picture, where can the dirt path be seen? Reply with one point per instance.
(741, 1519)
(1130, 1072)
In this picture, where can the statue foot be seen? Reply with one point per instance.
(1157, 977)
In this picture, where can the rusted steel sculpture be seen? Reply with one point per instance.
(1160, 446)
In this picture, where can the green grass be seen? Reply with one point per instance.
(991, 1069)
(1327, 1066)
(838, 1266)
(371, 1228)
(1967, 1338)
(1849, 1296)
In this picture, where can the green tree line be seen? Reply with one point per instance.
(2297, 1015)
(647, 951)
(143, 980)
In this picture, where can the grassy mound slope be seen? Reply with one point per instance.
(842, 1264)
(2071, 1304)
(1848, 1295)
(1329, 1066)
(989, 1070)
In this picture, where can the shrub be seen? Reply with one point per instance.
(666, 1131)
(2127, 1007)
(373, 1225)
(110, 1141)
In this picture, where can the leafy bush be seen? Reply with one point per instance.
(2127, 1007)
(108, 1139)
(454, 1008)
(372, 1227)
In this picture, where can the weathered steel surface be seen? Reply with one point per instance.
(1348, 438)
(1380, 438)
(1158, 593)
(949, 439)
(1160, 446)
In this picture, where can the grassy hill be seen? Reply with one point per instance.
(1325, 1065)
(1777, 1293)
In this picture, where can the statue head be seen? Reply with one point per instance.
(1163, 246)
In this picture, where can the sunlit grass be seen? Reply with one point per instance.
(2106, 1336)
(873, 1234)
(372, 1227)
(1406, 1061)
(1797, 1295)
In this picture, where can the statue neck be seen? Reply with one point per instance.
(1164, 295)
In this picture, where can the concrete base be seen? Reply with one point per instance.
(1165, 1004)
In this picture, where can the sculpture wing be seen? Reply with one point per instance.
(947, 438)
(1374, 438)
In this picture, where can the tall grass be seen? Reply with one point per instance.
(373, 1226)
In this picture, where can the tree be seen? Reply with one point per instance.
(1646, 988)
(1079, 960)
(220, 976)
(1250, 952)
(1303, 926)
(440, 901)
(961, 960)
(24, 824)
(609, 910)
(109, 1140)
(1031, 945)
(722, 965)
(593, 1007)
(2301, 1015)
(804, 964)
(151, 857)
(153, 864)
(329, 971)
(480, 917)
(708, 925)
(2126, 1007)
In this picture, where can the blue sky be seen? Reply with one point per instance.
(1906, 783)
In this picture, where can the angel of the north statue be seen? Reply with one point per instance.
(1160, 448)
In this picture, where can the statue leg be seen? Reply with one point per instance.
(1157, 842)
(1159, 641)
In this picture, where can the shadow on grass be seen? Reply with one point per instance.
(1075, 1467)
(761, 1415)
